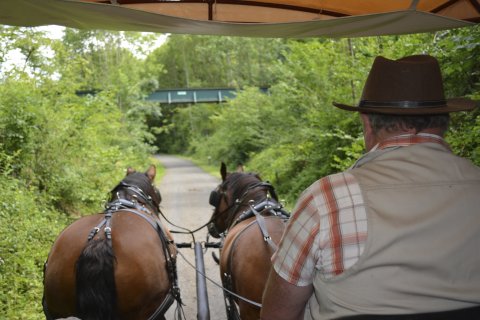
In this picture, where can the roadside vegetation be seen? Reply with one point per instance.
(293, 135)
(73, 118)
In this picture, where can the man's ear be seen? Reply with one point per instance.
(369, 135)
(365, 122)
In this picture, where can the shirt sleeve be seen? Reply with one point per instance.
(326, 233)
(294, 260)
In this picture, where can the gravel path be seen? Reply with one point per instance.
(185, 189)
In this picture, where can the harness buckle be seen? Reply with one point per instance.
(93, 233)
(108, 233)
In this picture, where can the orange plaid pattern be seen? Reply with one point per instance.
(327, 231)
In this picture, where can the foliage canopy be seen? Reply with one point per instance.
(294, 135)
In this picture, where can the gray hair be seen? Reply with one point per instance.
(394, 123)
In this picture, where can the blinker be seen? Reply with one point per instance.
(214, 199)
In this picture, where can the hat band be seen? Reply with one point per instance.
(403, 104)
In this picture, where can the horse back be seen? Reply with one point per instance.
(141, 278)
(141, 275)
(246, 258)
(59, 278)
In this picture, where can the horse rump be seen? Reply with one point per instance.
(95, 282)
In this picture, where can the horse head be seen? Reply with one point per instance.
(139, 187)
(230, 196)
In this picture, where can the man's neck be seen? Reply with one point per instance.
(383, 135)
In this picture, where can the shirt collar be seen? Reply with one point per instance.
(410, 139)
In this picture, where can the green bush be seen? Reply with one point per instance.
(61, 153)
(59, 156)
(28, 227)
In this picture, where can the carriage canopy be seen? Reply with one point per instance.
(262, 18)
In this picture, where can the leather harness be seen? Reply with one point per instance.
(122, 205)
(267, 207)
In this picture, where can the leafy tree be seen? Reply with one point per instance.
(60, 153)
(459, 52)
(207, 61)
(240, 129)
(295, 135)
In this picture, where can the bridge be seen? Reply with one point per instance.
(185, 95)
(201, 95)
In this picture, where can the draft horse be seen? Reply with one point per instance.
(250, 221)
(119, 264)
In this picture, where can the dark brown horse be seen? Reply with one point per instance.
(119, 264)
(251, 220)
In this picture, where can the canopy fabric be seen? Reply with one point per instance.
(263, 18)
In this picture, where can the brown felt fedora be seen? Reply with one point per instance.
(408, 86)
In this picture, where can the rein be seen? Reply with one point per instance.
(274, 209)
(259, 305)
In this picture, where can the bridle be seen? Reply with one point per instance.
(137, 195)
(220, 193)
(257, 207)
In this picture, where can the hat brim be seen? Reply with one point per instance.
(452, 105)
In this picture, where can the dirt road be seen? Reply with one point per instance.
(185, 190)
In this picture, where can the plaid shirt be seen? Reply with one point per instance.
(327, 231)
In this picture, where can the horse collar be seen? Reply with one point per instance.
(120, 204)
(148, 199)
(267, 205)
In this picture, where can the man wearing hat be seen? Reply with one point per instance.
(398, 234)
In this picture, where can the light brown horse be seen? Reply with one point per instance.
(119, 264)
(247, 213)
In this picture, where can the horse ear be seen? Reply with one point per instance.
(151, 172)
(130, 170)
(223, 171)
(240, 168)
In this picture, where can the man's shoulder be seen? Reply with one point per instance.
(337, 179)
(336, 185)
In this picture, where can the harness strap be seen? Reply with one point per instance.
(137, 191)
(170, 259)
(273, 207)
(275, 210)
(263, 229)
(232, 312)
(95, 230)
(152, 223)
(108, 226)
(228, 284)
(163, 307)
(123, 205)
(238, 201)
(174, 292)
(171, 263)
